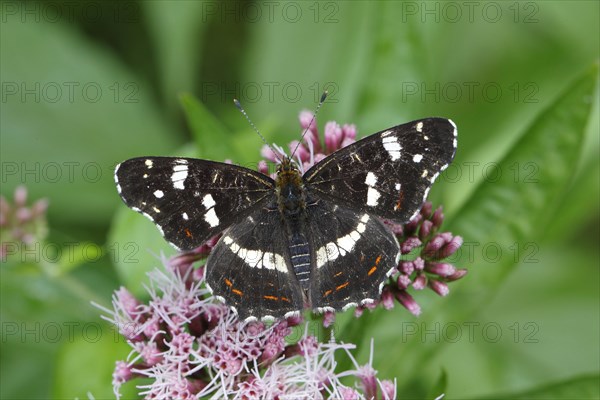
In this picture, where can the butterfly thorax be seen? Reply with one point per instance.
(291, 195)
(291, 198)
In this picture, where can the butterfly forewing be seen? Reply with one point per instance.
(352, 254)
(250, 268)
(191, 200)
(388, 173)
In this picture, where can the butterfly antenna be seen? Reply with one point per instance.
(323, 97)
(239, 106)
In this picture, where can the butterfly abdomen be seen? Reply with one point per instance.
(300, 257)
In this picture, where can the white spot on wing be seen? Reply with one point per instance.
(419, 127)
(158, 194)
(371, 179)
(180, 173)
(346, 243)
(274, 261)
(208, 201)
(455, 131)
(372, 197)
(373, 194)
(426, 193)
(392, 146)
(185, 216)
(342, 245)
(367, 301)
(211, 218)
(321, 310)
(149, 163)
(417, 158)
(290, 314)
(257, 258)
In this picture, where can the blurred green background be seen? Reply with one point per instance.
(86, 85)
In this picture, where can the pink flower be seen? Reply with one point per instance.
(189, 345)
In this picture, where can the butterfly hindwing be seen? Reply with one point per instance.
(191, 200)
(250, 268)
(353, 253)
(388, 173)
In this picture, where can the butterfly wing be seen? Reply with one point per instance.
(389, 173)
(191, 200)
(352, 255)
(250, 268)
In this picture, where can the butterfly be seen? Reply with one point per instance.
(314, 240)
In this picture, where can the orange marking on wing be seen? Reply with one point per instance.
(343, 285)
(238, 292)
(327, 293)
(188, 233)
(285, 299)
(374, 267)
(338, 274)
(228, 282)
(398, 205)
(274, 298)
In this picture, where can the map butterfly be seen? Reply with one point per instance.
(312, 240)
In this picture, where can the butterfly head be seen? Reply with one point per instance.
(287, 165)
(288, 172)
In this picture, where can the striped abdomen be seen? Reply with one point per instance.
(300, 255)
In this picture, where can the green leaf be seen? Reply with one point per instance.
(70, 112)
(135, 246)
(321, 35)
(178, 34)
(498, 215)
(580, 388)
(86, 362)
(210, 136)
(440, 386)
(515, 205)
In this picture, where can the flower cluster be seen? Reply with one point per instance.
(21, 225)
(191, 346)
